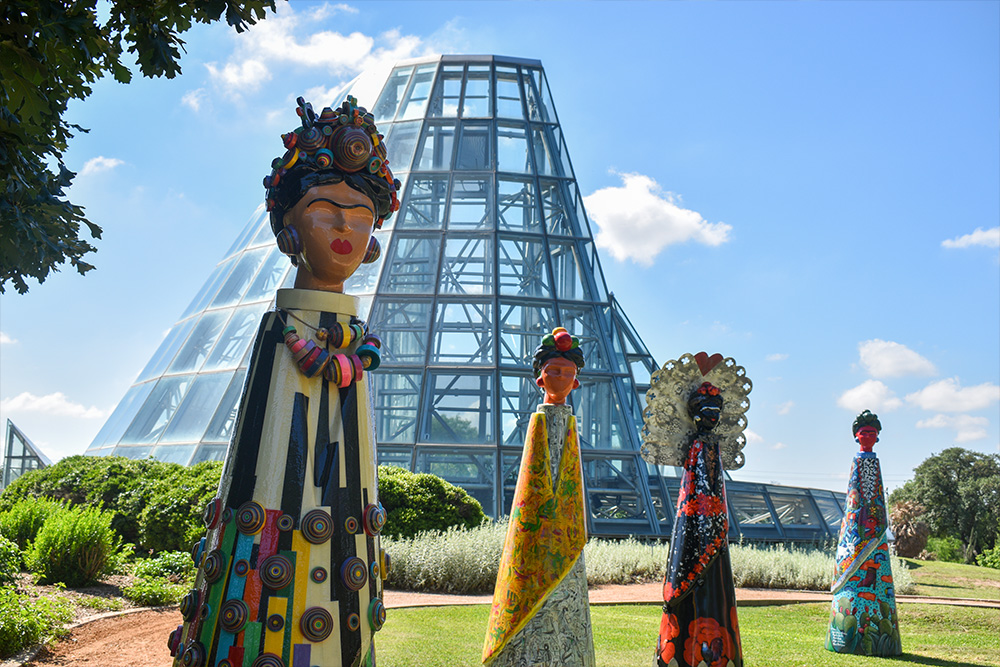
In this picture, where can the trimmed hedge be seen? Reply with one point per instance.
(419, 502)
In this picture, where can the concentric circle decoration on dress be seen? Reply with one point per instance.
(233, 615)
(268, 660)
(374, 569)
(250, 518)
(376, 614)
(211, 514)
(351, 525)
(197, 551)
(374, 519)
(241, 567)
(316, 624)
(190, 604)
(353, 573)
(224, 663)
(276, 572)
(317, 526)
(227, 514)
(194, 655)
(353, 622)
(214, 563)
(286, 523)
(275, 622)
(206, 610)
(318, 574)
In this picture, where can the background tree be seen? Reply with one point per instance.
(51, 51)
(960, 490)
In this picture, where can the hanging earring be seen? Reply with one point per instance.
(373, 252)
(288, 241)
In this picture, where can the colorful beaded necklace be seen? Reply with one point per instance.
(340, 369)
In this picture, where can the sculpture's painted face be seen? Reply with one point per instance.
(334, 223)
(867, 436)
(705, 407)
(557, 379)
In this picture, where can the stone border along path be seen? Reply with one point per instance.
(649, 593)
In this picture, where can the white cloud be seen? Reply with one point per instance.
(786, 407)
(779, 445)
(240, 77)
(6, 340)
(99, 164)
(989, 238)
(55, 404)
(869, 395)
(752, 436)
(948, 396)
(967, 428)
(639, 219)
(777, 356)
(885, 359)
(194, 98)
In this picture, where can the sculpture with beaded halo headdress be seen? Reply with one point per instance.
(669, 429)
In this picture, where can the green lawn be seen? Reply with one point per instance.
(953, 580)
(778, 636)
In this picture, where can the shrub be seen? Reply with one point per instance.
(418, 502)
(10, 560)
(171, 519)
(154, 592)
(23, 520)
(24, 621)
(175, 566)
(911, 533)
(76, 547)
(948, 549)
(459, 560)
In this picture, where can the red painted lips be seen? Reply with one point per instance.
(341, 246)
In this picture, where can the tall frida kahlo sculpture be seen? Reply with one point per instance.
(863, 611)
(694, 419)
(541, 613)
(290, 572)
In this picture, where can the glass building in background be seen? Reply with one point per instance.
(20, 455)
(490, 250)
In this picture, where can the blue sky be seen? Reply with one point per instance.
(810, 188)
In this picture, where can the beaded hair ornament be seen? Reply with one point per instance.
(669, 429)
(338, 145)
(559, 343)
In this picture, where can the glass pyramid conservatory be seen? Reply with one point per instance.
(490, 250)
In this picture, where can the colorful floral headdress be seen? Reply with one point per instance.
(338, 145)
(559, 343)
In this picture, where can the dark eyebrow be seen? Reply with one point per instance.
(339, 205)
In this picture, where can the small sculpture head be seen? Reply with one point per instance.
(556, 364)
(705, 407)
(866, 429)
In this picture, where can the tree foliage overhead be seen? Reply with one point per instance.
(51, 52)
(960, 490)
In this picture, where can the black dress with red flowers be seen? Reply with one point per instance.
(699, 622)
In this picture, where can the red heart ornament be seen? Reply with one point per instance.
(707, 363)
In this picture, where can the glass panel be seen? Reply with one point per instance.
(403, 327)
(477, 92)
(264, 235)
(581, 321)
(511, 469)
(425, 203)
(522, 268)
(420, 91)
(259, 214)
(512, 149)
(599, 414)
(173, 453)
(461, 409)
(593, 266)
(168, 348)
(210, 453)
(522, 327)
(467, 266)
(508, 93)
(236, 339)
(470, 204)
(240, 278)
(224, 421)
(661, 504)
(200, 402)
(569, 280)
(793, 507)
(156, 412)
(463, 333)
(401, 457)
(364, 280)
(539, 102)
(474, 148)
(133, 452)
(400, 144)
(396, 398)
(519, 398)
(557, 219)
(200, 342)
(543, 154)
(210, 287)
(412, 267)
(436, 148)
(447, 94)
(517, 209)
(749, 508)
(392, 94)
(640, 370)
(832, 514)
(473, 471)
(614, 490)
(269, 277)
(120, 419)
